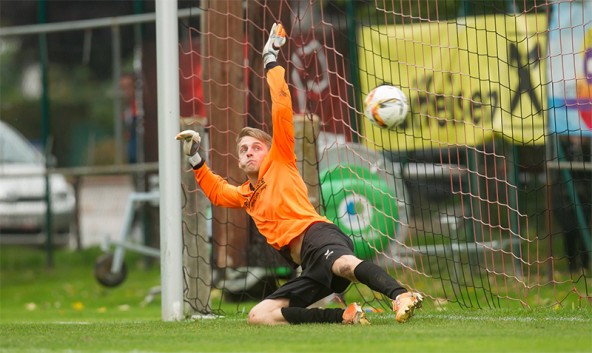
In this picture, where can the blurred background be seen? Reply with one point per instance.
(75, 92)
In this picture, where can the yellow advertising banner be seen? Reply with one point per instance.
(464, 81)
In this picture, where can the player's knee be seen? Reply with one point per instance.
(255, 317)
(259, 316)
(344, 266)
(268, 312)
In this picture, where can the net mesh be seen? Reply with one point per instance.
(460, 202)
(480, 198)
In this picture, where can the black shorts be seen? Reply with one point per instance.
(323, 243)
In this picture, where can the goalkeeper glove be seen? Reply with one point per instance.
(277, 38)
(191, 141)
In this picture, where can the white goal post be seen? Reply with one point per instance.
(171, 241)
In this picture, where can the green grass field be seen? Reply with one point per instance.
(65, 310)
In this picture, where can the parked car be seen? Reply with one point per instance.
(22, 194)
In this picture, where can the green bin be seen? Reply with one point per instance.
(359, 200)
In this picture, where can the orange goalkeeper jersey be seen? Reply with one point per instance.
(279, 202)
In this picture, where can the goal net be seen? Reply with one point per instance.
(481, 198)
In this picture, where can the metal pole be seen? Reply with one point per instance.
(352, 28)
(68, 26)
(116, 57)
(514, 203)
(167, 66)
(41, 16)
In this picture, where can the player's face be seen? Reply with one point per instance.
(250, 155)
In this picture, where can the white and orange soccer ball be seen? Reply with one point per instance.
(386, 106)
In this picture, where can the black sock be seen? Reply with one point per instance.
(377, 279)
(313, 315)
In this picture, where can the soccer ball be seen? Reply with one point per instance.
(386, 106)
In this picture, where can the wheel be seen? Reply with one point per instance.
(103, 272)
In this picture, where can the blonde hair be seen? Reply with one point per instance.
(254, 133)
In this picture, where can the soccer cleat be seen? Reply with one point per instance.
(354, 314)
(405, 304)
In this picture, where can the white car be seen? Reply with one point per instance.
(23, 194)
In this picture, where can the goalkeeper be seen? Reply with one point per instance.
(275, 196)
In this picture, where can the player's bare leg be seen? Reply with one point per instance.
(344, 267)
(268, 312)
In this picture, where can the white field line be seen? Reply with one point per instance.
(504, 318)
(417, 316)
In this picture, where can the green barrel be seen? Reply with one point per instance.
(359, 200)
